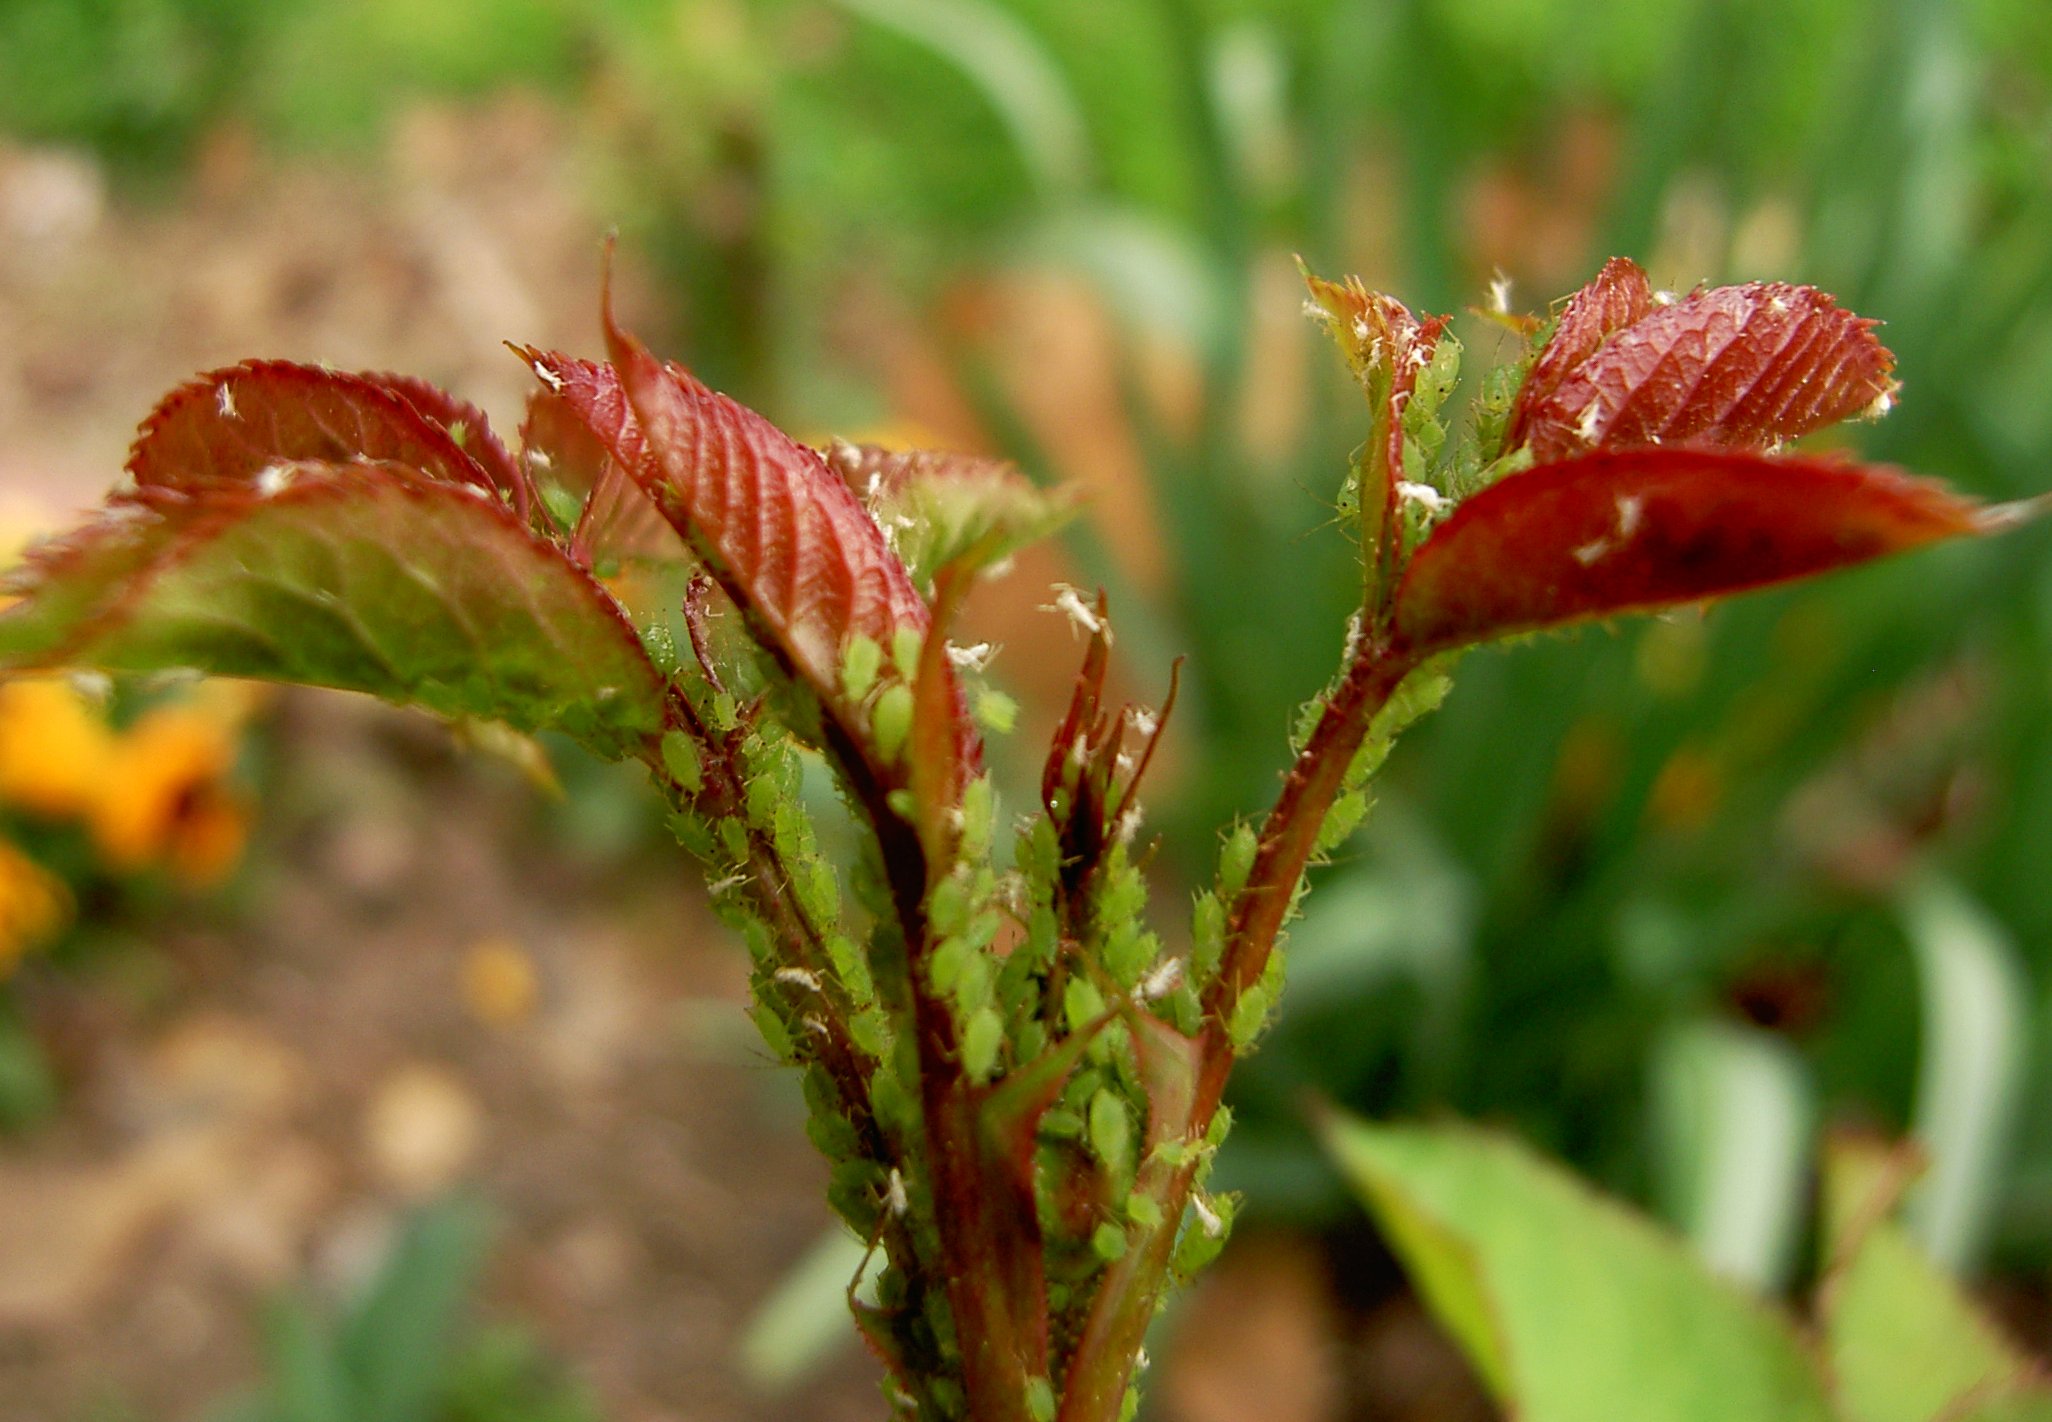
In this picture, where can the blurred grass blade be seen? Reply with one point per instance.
(1970, 1071)
(1734, 1113)
(804, 1321)
(1014, 72)
(396, 1343)
(1154, 277)
(1571, 1308)
(308, 1383)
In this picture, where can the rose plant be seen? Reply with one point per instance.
(1015, 1071)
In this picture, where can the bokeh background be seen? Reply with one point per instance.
(349, 1068)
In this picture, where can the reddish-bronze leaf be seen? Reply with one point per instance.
(1618, 296)
(468, 427)
(1734, 367)
(1385, 346)
(786, 538)
(601, 507)
(1634, 530)
(230, 425)
(361, 575)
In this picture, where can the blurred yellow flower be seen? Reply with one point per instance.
(167, 797)
(157, 793)
(34, 905)
(55, 749)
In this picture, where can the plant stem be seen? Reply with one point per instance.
(1102, 1364)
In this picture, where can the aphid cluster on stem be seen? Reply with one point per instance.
(1015, 1072)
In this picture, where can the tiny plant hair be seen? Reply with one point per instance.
(1016, 1079)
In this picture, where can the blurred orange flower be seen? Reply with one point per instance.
(34, 905)
(157, 793)
(167, 798)
(55, 749)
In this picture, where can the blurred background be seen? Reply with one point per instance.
(350, 1069)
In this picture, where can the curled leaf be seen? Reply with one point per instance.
(1735, 367)
(586, 492)
(1387, 348)
(1618, 296)
(1635, 530)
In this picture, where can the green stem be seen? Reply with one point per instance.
(1102, 1364)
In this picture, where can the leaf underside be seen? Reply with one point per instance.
(364, 577)
(1637, 530)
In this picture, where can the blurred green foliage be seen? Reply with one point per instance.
(1603, 847)
(405, 1349)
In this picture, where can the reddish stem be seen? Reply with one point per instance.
(1102, 1364)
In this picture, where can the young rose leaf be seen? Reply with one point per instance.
(587, 493)
(231, 425)
(466, 424)
(1386, 347)
(949, 510)
(1618, 296)
(364, 576)
(785, 537)
(1735, 367)
(1635, 530)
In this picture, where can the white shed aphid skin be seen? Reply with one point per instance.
(1880, 405)
(547, 376)
(1081, 615)
(1145, 723)
(1207, 1218)
(895, 1198)
(1423, 495)
(1499, 293)
(1161, 980)
(224, 400)
(798, 977)
(1128, 827)
(972, 658)
(1631, 508)
(274, 479)
(726, 885)
(1590, 426)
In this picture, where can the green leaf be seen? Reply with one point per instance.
(365, 577)
(397, 1341)
(1905, 1344)
(950, 511)
(1571, 1308)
